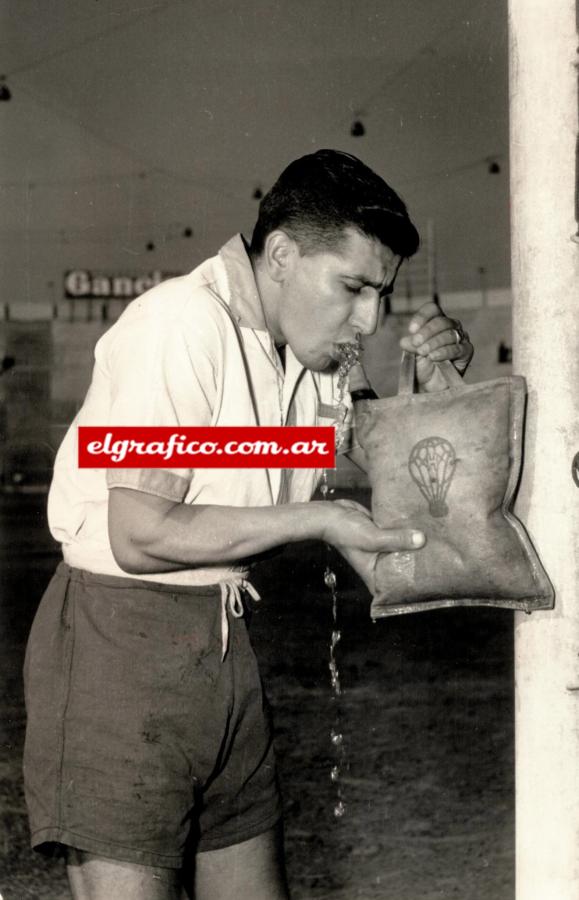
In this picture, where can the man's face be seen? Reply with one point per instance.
(330, 297)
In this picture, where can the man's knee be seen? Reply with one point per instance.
(94, 877)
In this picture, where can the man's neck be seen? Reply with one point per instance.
(268, 291)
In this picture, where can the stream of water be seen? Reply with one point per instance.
(349, 356)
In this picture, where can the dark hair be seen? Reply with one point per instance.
(321, 194)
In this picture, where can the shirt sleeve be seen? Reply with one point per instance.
(161, 374)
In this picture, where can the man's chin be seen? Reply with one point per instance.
(328, 364)
(325, 363)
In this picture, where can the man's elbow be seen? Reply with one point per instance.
(134, 521)
(129, 556)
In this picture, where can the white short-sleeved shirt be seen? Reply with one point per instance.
(193, 351)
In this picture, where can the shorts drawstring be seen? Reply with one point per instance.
(231, 601)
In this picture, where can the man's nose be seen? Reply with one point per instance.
(365, 316)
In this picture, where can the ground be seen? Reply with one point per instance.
(426, 713)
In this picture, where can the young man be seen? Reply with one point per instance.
(147, 737)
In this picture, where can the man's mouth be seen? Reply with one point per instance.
(347, 353)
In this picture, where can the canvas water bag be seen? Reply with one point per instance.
(448, 463)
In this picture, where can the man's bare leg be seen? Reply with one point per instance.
(96, 878)
(253, 869)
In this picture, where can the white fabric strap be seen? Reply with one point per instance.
(231, 602)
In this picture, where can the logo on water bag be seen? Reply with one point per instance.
(431, 463)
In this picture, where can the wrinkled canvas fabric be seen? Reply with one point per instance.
(448, 463)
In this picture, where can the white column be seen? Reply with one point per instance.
(545, 269)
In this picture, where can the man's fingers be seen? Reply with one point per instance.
(428, 311)
(446, 338)
(437, 341)
(356, 531)
(394, 539)
(431, 330)
(456, 352)
(465, 357)
(436, 327)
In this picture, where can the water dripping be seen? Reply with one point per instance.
(349, 356)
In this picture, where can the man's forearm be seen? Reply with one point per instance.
(149, 534)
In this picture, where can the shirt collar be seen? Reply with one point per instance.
(245, 302)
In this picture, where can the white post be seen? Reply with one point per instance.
(545, 268)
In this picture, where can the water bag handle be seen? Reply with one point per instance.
(407, 378)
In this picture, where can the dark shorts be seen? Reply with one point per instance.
(141, 741)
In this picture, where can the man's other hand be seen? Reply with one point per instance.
(435, 337)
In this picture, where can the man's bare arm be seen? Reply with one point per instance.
(149, 534)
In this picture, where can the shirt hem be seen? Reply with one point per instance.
(178, 578)
(107, 849)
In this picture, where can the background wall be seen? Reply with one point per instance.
(131, 126)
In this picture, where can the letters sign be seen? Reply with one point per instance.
(84, 284)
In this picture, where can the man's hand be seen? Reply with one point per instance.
(360, 541)
(434, 337)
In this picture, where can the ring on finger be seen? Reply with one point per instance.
(460, 334)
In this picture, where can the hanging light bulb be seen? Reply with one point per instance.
(5, 93)
(187, 232)
(150, 246)
(258, 193)
(494, 168)
(357, 128)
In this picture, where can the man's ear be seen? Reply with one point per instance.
(279, 254)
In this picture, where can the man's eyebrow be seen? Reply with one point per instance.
(384, 289)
